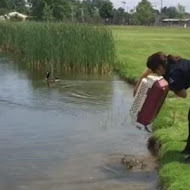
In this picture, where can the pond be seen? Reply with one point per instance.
(70, 136)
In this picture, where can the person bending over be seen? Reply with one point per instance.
(176, 71)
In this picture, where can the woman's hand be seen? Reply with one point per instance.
(144, 75)
(135, 90)
(181, 93)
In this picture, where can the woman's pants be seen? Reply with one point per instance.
(188, 140)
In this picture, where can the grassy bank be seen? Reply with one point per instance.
(134, 45)
(70, 46)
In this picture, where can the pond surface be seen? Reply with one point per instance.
(71, 136)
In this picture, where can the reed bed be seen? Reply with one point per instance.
(73, 47)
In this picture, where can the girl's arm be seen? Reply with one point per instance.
(144, 75)
(181, 93)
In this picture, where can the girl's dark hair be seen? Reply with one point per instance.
(172, 59)
(159, 58)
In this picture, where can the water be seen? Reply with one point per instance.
(70, 136)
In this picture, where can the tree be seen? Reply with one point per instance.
(181, 11)
(174, 12)
(135, 19)
(6, 6)
(106, 10)
(9, 5)
(145, 14)
(37, 9)
(87, 12)
(120, 16)
(47, 13)
(75, 10)
(20, 6)
(170, 12)
(61, 9)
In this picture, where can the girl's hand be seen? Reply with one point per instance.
(135, 90)
(181, 93)
(144, 75)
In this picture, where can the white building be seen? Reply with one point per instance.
(176, 22)
(13, 14)
(2, 18)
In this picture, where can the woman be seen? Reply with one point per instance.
(176, 71)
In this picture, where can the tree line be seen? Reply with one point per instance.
(91, 11)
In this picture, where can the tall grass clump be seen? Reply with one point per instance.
(74, 47)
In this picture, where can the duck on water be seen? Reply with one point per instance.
(51, 80)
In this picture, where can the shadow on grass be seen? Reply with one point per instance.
(169, 156)
(153, 146)
(173, 156)
(184, 140)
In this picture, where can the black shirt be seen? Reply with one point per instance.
(178, 75)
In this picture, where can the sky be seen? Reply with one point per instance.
(130, 4)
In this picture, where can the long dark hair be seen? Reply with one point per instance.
(160, 58)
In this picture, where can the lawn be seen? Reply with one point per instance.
(133, 46)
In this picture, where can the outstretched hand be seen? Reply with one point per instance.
(144, 75)
(135, 90)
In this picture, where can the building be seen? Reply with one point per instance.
(176, 22)
(2, 18)
(13, 15)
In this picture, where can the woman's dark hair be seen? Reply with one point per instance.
(159, 58)
(172, 59)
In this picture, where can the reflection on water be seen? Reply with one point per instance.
(67, 137)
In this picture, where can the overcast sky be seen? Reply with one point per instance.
(130, 4)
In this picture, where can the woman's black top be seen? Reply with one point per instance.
(178, 75)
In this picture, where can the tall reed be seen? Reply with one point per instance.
(73, 47)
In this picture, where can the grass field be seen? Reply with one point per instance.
(133, 46)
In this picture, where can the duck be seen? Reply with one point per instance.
(51, 80)
(132, 163)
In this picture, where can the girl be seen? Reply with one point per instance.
(176, 71)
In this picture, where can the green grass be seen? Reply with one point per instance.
(75, 47)
(134, 45)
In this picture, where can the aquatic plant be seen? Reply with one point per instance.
(73, 47)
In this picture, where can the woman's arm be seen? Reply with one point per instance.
(177, 83)
(181, 93)
(144, 75)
